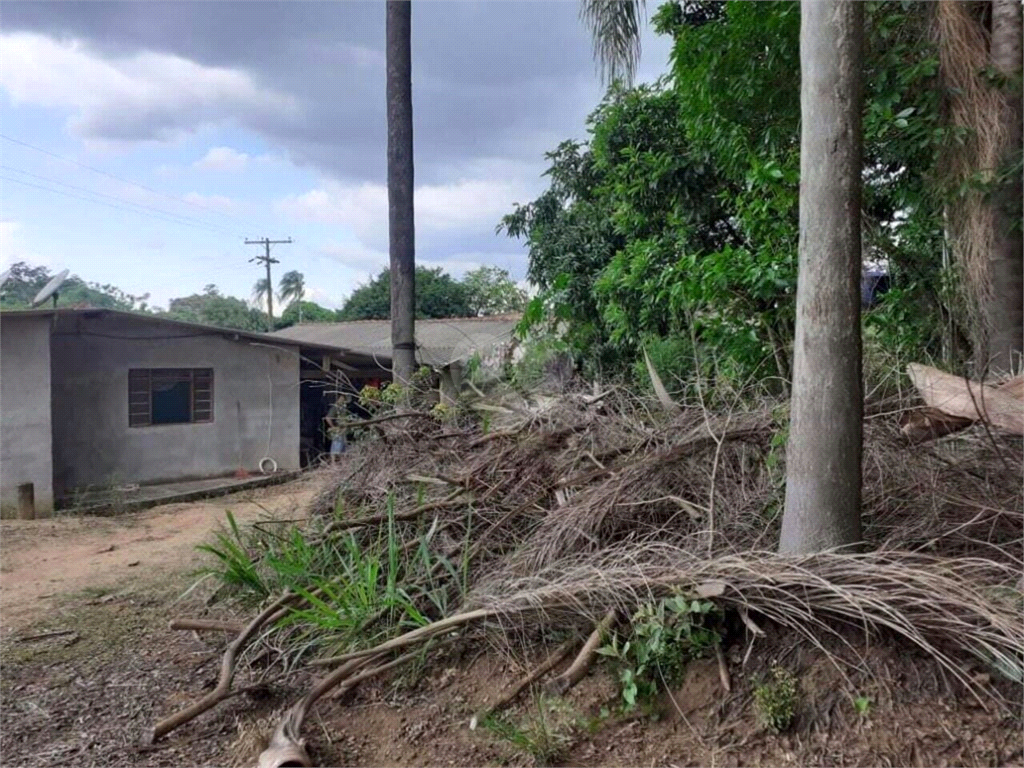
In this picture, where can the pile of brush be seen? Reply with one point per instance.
(577, 508)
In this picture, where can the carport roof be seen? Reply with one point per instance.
(438, 342)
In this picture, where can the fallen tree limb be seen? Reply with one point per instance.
(558, 686)
(287, 747)
(932, 421)
(411, 638)
(409, 514)
(206, 624)
(510, 694)
(955, 396)
(227, 672)
(387, 417)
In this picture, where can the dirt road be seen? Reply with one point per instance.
(42, 560)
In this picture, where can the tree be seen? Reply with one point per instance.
(823, 456)
(305, 312)
(437, 295)
(261, 293)
(1005, 311)
(212, 308)
(26, 281)
(292, 289)
(401, 227)
(490, 291)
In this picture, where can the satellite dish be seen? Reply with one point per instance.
(50, 289)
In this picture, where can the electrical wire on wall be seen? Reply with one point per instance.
(270, 412)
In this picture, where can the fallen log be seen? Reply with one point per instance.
(953, 403)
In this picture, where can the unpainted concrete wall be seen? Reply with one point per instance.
(256, 401)
(25, 429)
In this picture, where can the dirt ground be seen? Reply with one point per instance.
(44, 560)
(88, 695)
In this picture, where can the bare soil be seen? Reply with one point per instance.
(43, 560)
(87, 698)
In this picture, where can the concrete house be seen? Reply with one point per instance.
(98, 398)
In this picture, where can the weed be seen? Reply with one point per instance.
(775, 700)
(357, 589)
(546, 734)
(863, 705)
(665, 636)
(238, 567)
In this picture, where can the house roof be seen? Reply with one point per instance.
(191, 329)
(438, 342)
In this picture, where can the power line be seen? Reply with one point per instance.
(183, 219)
(101, 202)
(267, 260)
(119, 178)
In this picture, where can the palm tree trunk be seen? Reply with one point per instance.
(823, 458)
(401, 231)
(1006, 310)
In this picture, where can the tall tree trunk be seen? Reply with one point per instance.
(823, 458)
(1006, 310)
(401, 228)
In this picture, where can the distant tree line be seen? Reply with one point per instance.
(484, 291)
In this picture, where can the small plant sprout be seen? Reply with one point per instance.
(863, 705)
(775, 700)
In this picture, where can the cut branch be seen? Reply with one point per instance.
(206, 624)
(510, 694)
(565, 681)
(227, 673)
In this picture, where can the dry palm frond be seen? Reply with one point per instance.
(941, 605)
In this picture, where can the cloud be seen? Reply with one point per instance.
(219, 203)
(13, 250)
(222, 159)
(144, 97)
(465, 206)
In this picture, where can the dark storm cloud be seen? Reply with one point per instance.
(491, 79)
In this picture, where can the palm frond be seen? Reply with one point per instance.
(615, 27)
(260, 289)
(292, 286)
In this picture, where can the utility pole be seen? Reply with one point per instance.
(265, 259)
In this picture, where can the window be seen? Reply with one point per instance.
(169, 396)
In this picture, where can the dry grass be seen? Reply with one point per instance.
(578, 505)
(566, 507)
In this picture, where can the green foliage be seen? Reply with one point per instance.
(358, 588)
(775, 700)
(863, 705)
(292, 287)
(238, 568)
(678, 218)
(25, 281)
(437, 295)
(311, 313)
(539, 354)
(664, 636)
(212, 308)
(490, 291)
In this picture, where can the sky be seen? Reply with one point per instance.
(142, 143)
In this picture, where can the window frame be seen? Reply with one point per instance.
(140, 395)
